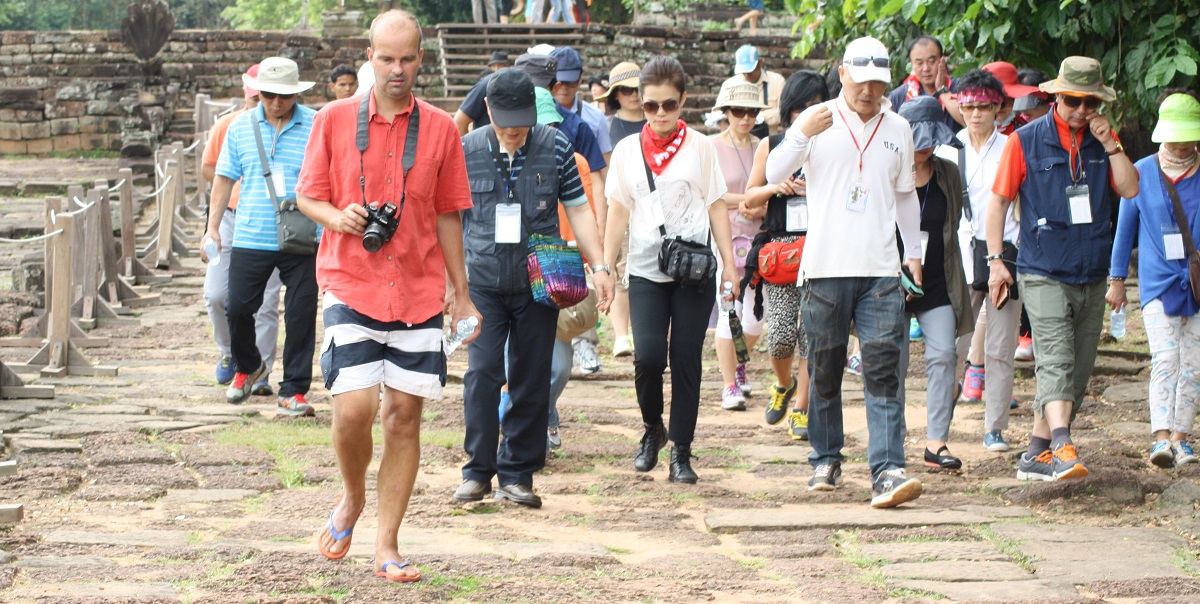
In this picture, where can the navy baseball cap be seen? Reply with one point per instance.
(570, 64)
(541, 69)
(511, 99)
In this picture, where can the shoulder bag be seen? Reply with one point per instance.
(1189, 246)
(687, 262)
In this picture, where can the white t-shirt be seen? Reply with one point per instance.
(981, 171)
(691, 183)
(846, 239)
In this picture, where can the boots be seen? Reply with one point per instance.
(654, 439)
(681, 465)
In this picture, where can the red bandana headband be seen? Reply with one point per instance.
(980, 95)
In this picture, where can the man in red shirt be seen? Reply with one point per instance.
(383, 308)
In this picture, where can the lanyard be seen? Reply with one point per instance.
(861, 150)
(362, 140)
(1076, 167)
(502, 165)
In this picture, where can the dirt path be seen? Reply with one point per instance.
(147, 487)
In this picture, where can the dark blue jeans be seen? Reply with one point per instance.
(876, 306)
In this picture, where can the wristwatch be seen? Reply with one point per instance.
(1111, 279)
(942, 90)
(1115, 150)
(991, 257)
(601, 267)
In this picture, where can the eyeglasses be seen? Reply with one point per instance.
(883, 62)
(741, 112)
(1073, 102)
(625, 90)
(270, 96)
(652, 107)
(981, 107)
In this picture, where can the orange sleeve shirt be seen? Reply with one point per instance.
(585, 177)
(212, 150)
(1010, 175)
(405, 280)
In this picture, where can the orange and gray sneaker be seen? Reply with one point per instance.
(1066, 463)
(294, 406)
(1039, 467)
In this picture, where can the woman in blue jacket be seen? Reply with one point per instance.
(1168, 306)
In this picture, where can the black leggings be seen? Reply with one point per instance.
(656, 310)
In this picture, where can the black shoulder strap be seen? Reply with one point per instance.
(968, 211)
(362, 140)
(266, 166)
(766, 90)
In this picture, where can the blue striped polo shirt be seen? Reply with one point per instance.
(255, 224)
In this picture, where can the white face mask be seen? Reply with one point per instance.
(1007, 120)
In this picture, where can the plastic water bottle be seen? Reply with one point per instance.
(212, 251)
(735, 324)
(462, 331)
(1117, 323)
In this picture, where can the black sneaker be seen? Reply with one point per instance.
(777, 409)
(826, 477)
(893, 487)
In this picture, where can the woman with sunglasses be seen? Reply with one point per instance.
(667, 176)
(785, 331)
(735, 146)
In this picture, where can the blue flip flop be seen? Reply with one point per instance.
(337, 536)
(398, 578)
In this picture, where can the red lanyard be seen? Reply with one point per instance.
(861, 150)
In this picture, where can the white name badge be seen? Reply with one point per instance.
(1081, 204)
(508, 223)
(856, 200)
(654, 203)
(278, 181)
(797, 214)
(1173, 243)
(924, 246)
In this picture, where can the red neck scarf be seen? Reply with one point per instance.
(914, 87)
(659, 151)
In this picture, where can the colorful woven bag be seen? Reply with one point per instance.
(556, 275)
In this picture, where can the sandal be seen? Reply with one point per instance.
(942, 459)
(383, 572)
(336, 534)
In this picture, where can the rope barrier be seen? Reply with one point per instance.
(117, 187)
(158, 168)
(31, 239)
(160, 189)
(79, 202)
(190, 149)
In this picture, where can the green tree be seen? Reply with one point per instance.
(1145, 46)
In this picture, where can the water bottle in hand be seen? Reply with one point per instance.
(735, 325)
(212, 251)
(462, 331)
(1117, 323)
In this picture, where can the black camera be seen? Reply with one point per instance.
(381, 225)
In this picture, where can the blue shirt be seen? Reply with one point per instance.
(595, 120)
(1142, 221)
(581, 138)
(254, 227)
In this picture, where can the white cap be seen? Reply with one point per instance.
(540, 49)
(868, 49)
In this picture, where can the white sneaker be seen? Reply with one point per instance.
(732, 399)
(743, 382)
(585, 357)
(623, 347)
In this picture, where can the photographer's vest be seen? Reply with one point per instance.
(502, 266)
(1051, 245)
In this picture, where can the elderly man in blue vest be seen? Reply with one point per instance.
(519, 172)
(1061, 166)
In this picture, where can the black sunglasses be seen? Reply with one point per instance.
(624, 90)
(1073, 102)
(652, 107)
(741, 112)
(270, 96)
(883, 62)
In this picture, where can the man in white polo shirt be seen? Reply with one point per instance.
(858, 156)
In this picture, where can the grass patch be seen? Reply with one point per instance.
(1187, 561)
(460, 587)
(255, 504)
(446, 439)
(279, 440)
(1008, 547)
(195, 538)
(581, 417)
(317, 587)
(686, 498)
(618, 551)
(92, 154)
(754, 563)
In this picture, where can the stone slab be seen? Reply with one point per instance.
(1136, 430)
(73, 430)
(208, 495)
(994, 591)
(39, 445)
(770, 454)
(108, 591)
(109, 410)
(63, 562)
(1118, 366)
(1129, 392)
(521, 551)
(922, 551)
(1085, 554)
(11, 513)
(227, 410)
(959, 572)
(157, 426)
(28, 406)
(144, 538)
(795, 518)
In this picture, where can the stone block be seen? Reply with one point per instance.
(67, 142)
(8, 147)
(31, 130)
(40, 145)
(47, 48)
(10, 131)
(63, 126)
(93, 142)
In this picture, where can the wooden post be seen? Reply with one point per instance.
(166, 216)
(131, 267)
(116, 294)
(201, 114)
(12, 386)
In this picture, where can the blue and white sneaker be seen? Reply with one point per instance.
(1162, 455)
(1183, 453)
(225, 370)
(994, 441)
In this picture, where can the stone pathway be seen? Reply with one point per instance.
(147, 487)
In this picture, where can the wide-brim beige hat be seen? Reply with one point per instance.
(1080, 76)
(740, 95)
(277, 75)
(626, 74)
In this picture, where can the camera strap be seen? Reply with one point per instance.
(362, 140)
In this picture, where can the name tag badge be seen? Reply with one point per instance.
(1081, 204)
(797, 214)
(278, 181)
(924, 246)
(508, 223)
(1173, 242)
(856, 200)
(654, 204)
